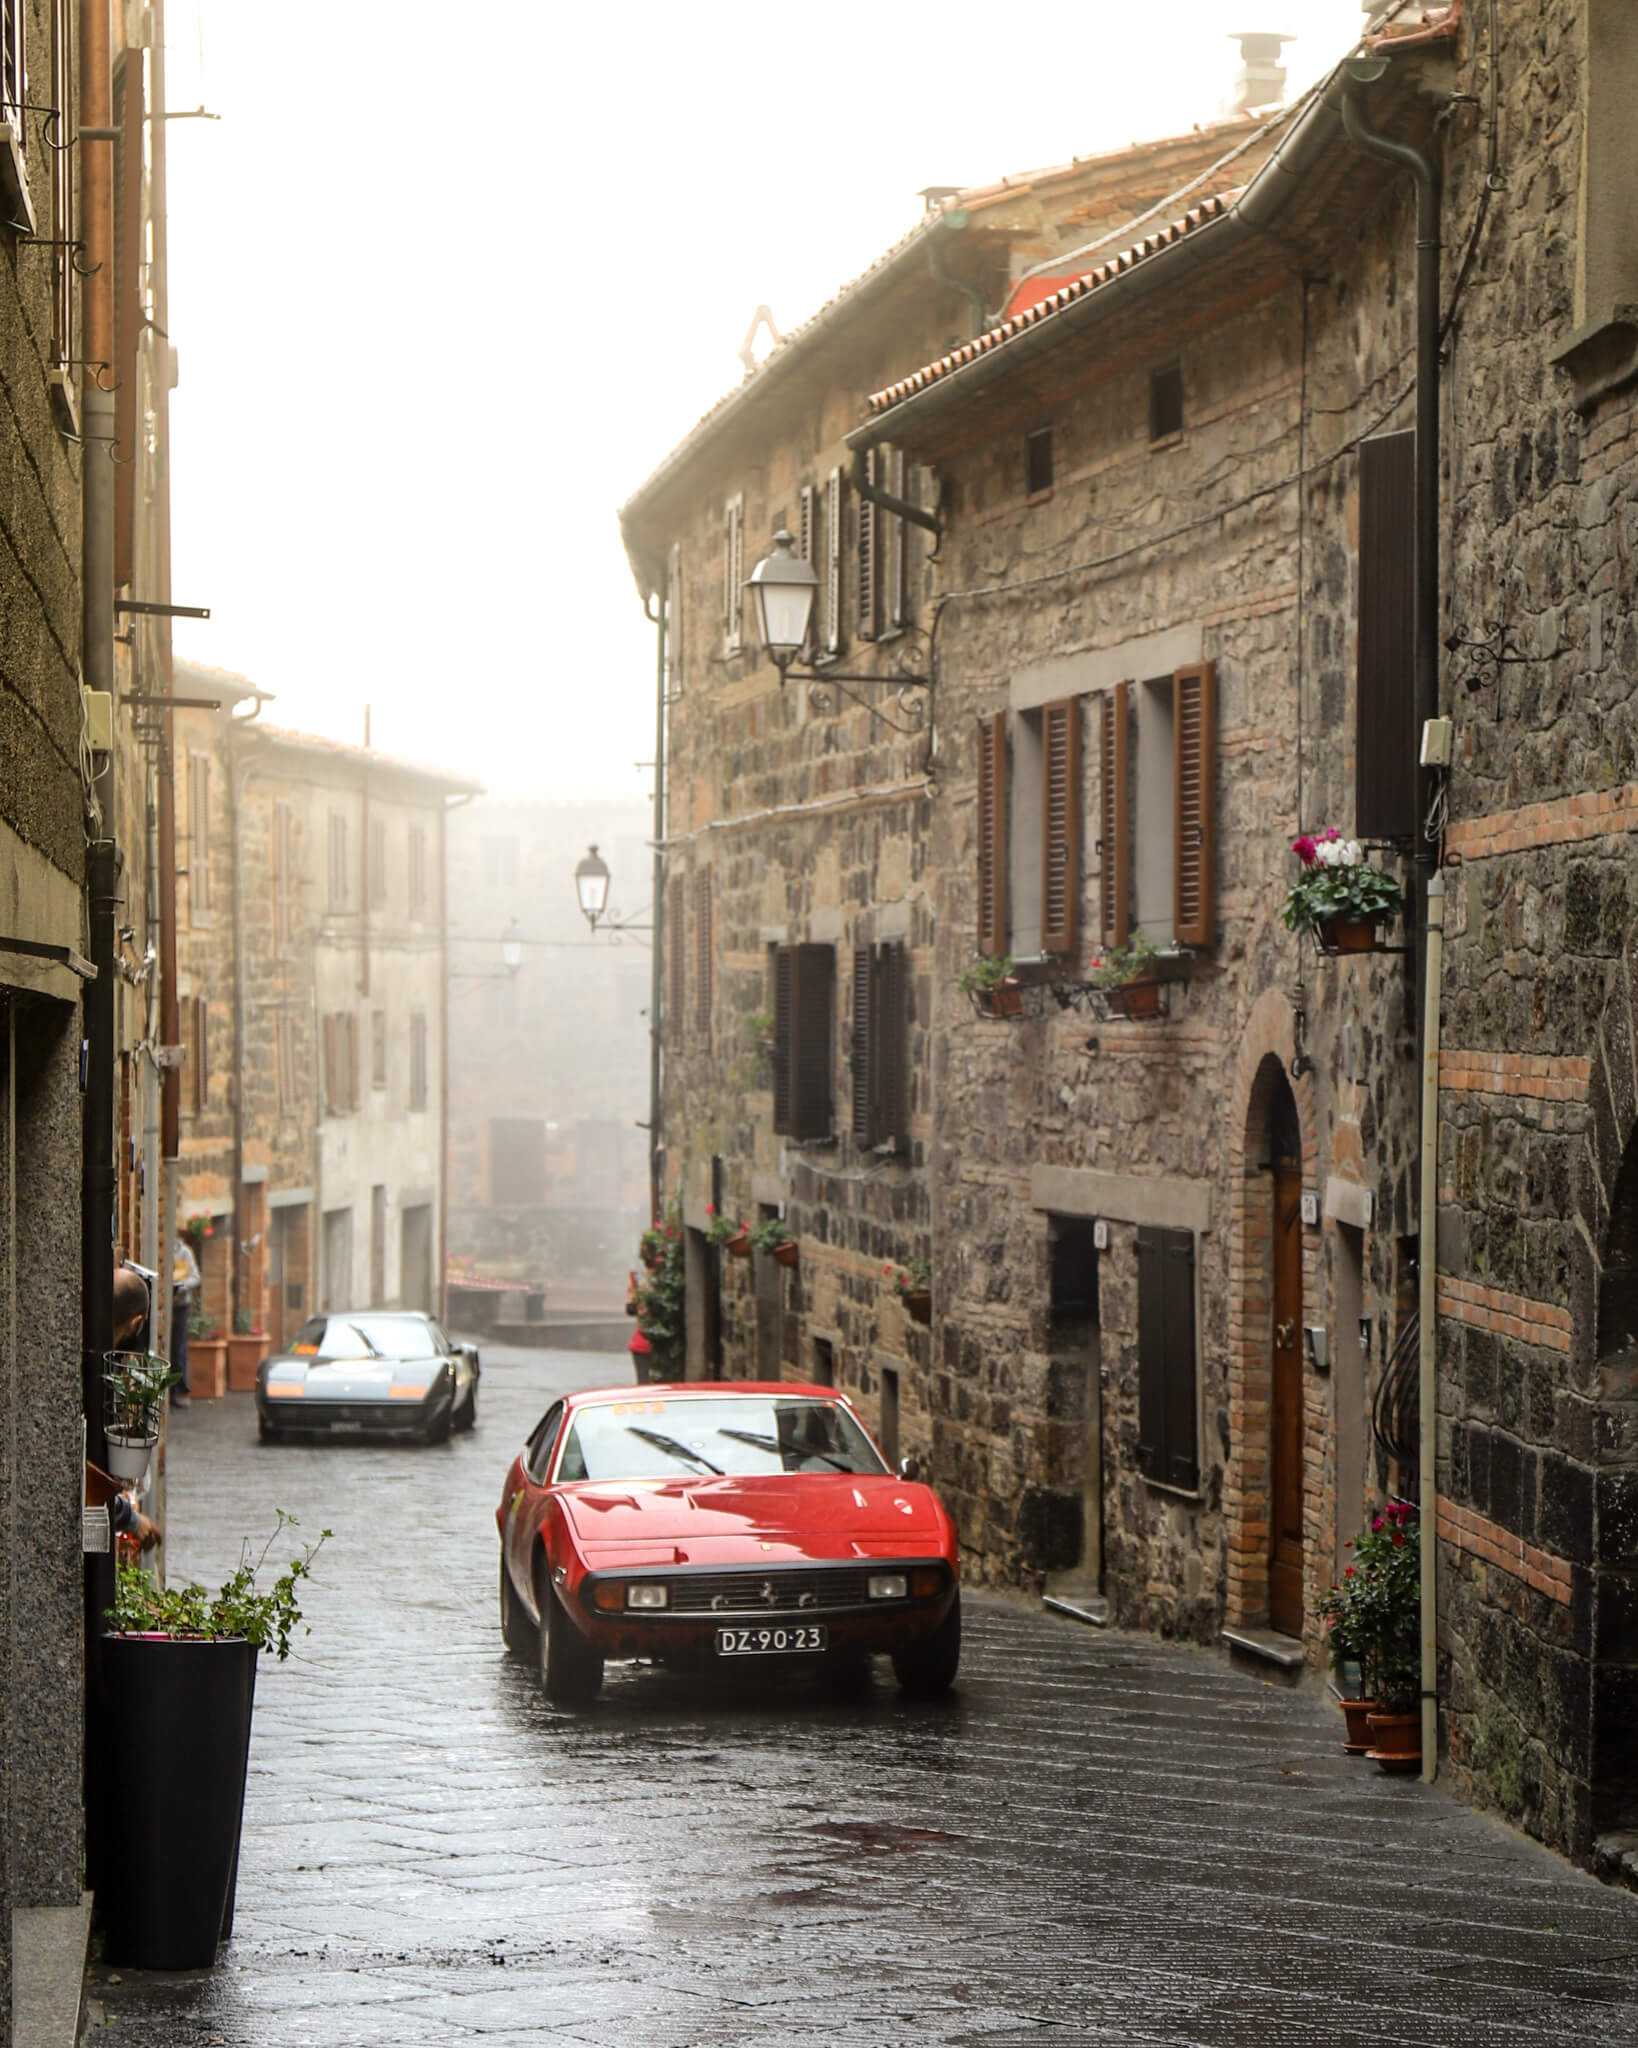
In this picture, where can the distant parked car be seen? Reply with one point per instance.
(716, 1522)
(374, 1369)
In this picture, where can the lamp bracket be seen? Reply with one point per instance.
(900, 507)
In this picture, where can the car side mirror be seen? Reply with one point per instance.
(910, 1470)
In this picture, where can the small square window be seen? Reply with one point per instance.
(1165, 402)
(1038, 462)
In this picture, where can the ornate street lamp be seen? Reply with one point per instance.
(783, 588)
(591, 885)
(511, 948)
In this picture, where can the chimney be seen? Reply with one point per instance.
(1260, 80)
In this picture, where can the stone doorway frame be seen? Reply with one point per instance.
(1270, 1036)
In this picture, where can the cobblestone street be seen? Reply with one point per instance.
(1096, 1838)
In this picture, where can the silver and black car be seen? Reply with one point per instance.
(376, 1369)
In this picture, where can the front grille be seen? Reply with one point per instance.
(782, 1592)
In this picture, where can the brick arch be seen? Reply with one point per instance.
(1604, 1366)
(1269, 1038)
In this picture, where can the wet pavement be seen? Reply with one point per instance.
(1095, 1839)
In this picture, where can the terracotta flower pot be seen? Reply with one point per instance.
(245, 1354)
(787, 1253)
(918, 1304)
(739, 1245)
(1346, 935)
(207, 1368)
(1396, 1741)
(1135, 1000)
(1356, 1713)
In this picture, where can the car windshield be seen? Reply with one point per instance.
(362, 1336)
(702, 1436)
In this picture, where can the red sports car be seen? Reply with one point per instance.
(717, 1521)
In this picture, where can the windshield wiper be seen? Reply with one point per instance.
(368, 1346)
(670, 1443)
(768, 1443)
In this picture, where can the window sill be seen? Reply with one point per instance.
(1190, 1493)
(1167, 441)
(1038, 497)
(1601, 356)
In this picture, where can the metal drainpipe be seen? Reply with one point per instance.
(656, 994)
(1430, 888)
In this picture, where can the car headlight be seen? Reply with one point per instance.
(646, 1593)
(889, 1586)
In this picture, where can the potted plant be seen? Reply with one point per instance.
(134, 1401)
(660, 1314)
(993, 987)
(207, 1357)
(734, 1237)
(1384, 1607)
(1340, 896)
(1125, 975)
(1342, 1620)
(913, 1284)
(247, 1347)
(651, 1246)
(773, 1237)
(179, 1668)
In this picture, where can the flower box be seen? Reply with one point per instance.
(918, 1304)
(1135, 1000)
(1003, 999)
(1335, 935)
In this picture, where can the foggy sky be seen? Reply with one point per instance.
(441, 306)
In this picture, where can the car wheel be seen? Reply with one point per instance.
(438, 1429)
(930, 1667)
(469, 1413)
(571, 1671)
(517, 1630)
(269, 1432)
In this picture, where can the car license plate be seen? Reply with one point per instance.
(770, 1641)
(345, 1426)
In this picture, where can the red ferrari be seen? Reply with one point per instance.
(713, 1522)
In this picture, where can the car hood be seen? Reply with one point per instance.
(808, 1515)
(352, 1378)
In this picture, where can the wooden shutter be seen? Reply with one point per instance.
(1385, 748)
(284, 873)
(834, 640)
(331, 1077)
(1167, 1447)
(868, 581)
(1060, 825)
(1194, 804)
(804, 997)
(201, 1032)
(677, 963)
(703, 954)
(804, 522)
(898, 562)
(862, 1049)
(992, 834)
(131, 124)
(733, 572)
(892, 1025)
(62, 190)
(350, 1030)
(1114, 824)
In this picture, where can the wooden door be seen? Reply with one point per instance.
(1285, 1597)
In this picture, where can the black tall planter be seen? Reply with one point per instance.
(176, 1741)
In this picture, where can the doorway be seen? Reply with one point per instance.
(1285, 1559)
(415, 1257)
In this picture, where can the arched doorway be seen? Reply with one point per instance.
(1285, 1546)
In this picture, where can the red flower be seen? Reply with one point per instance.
(1303, 848)
(1348, 1574)
(710, 1209)
(1399, 1539)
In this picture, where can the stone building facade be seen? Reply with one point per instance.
(798, 927)
(311, 969)
(1234, 546)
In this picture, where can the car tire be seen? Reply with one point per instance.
(930, 1667)
(269, 1432)
(467, 1419)
(517, 1630)
(438, 1429)
(571, 1671)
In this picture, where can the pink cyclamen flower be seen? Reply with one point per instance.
(1330, 832)
(709, 1209)
(1304, 849)
(1348, 1574)
(1377, 1522)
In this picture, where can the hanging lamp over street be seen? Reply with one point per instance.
(591, 885)
(783, 587)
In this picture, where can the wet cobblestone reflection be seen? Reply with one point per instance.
(1096, 1839)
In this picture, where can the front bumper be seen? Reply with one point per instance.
(855, 1625)
(402, 1417)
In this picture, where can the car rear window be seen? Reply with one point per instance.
(357, 1336)
(698, 1437)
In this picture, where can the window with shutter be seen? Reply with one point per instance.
(201, 1039)
(1194, 804)
(418, 1058)
(378, 1048)
(284, 872)
(1385, 746)
(805, 522)
(891, 1033)
(62, 190)
(285, 1048)
(417, 871)
(12, 74)
(376, 847)
(733, 572)
(338, 861)
(704, 961)
(992, 834)
(869, 524)
(1167, 1399)
(835, 639)
(898, 562)
(862, 1049)
(1114, 843)
(677, 963)
(1060, 825)
(804, 998)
